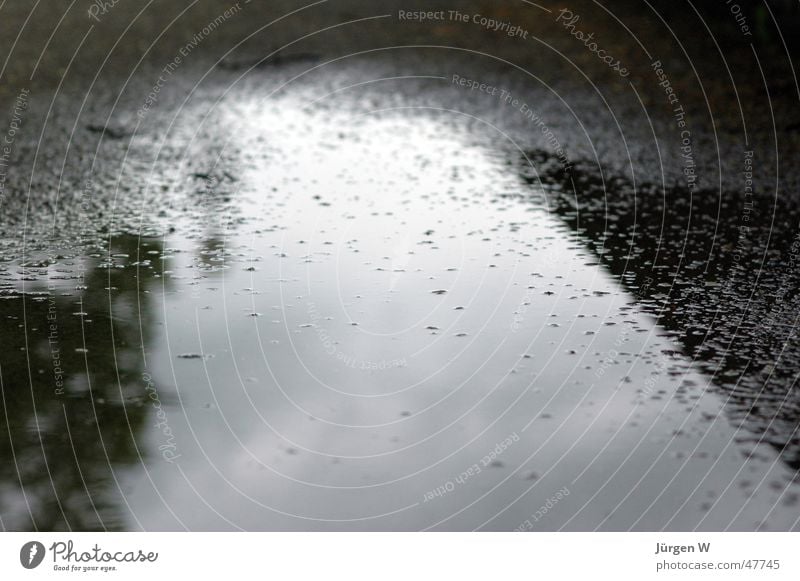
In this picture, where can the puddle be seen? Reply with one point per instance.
(360, 322)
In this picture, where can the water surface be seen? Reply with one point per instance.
(355, 321)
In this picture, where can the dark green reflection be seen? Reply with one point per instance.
(71, 418)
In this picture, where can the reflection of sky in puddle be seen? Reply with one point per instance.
(394, 305)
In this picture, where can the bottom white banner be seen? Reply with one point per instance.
(400, 556)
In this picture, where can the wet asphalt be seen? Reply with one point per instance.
(320, 267)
